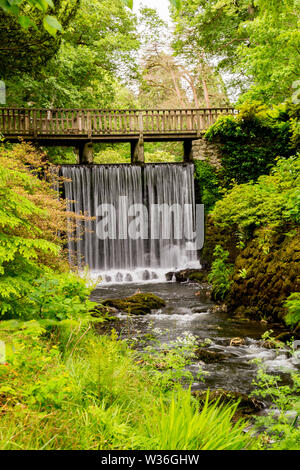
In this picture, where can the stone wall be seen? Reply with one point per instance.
(269, 277)
(206, 151)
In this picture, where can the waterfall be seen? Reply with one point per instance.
(141, 219)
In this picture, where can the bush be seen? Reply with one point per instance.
(161, 156)
(59, 297)
(220, 275)
(110, 155)
(32, 223)
(292, 303)
(180, 425)
(274, 200)
(207, 184)
(280, 427)
(251, 140)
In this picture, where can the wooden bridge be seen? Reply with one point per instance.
(81, 127)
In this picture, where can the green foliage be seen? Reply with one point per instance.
(255, 43)
(19, 255)
(270, 57)
(207, 184)
(32, 221)
(220, 274)
(292, 303)
(251, 141)
(273, 200)
(94, 395)
(181, 425)
(15, 7)
(94, 53)
(280, 427)
(59, 297)
(111, 155)
(29, 38)
(167, 363)
(161, 156)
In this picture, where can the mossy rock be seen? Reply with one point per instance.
(137, 304)
(271, 276)
(227, 238)
(209, 357)
(247, 405)
(185, 275)
(199, 276)
(101, 310)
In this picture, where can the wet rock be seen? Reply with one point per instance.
(209, 357)
(101, 310)
(191, 275)
(203, 294)
(146, 275)
(119, 277)
(236, 341)
(247, 405)
(272, 344)
(218, 308)
(128, 277)
(154, 275)
(169, 275)
(137, 304)
(288, 336)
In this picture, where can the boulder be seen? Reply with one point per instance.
(137, 304)
(209, 357)
(196, 275)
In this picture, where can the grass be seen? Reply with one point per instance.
(78, 390)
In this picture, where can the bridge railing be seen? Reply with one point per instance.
(62, 122)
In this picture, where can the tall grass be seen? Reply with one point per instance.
(92, 394)
(180, 425)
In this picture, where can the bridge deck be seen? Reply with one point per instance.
(65, 126)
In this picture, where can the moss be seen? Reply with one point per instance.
(228, 239)
(272, 275)
(209, 357)
(137, 304)
(189, 275)
(198, 276)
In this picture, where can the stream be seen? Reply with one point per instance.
(187, 312)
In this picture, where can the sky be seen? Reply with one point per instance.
(162, 6)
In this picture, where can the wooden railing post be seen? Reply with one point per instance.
(141, 124)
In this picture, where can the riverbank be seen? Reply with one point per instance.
(69, 388)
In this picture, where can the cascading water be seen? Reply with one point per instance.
(143, 219)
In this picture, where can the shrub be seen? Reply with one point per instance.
(251, 141)
(220, 275)
(292, 303)
(273, 200)
(207, 184)
(32, 223)
(280, 426)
